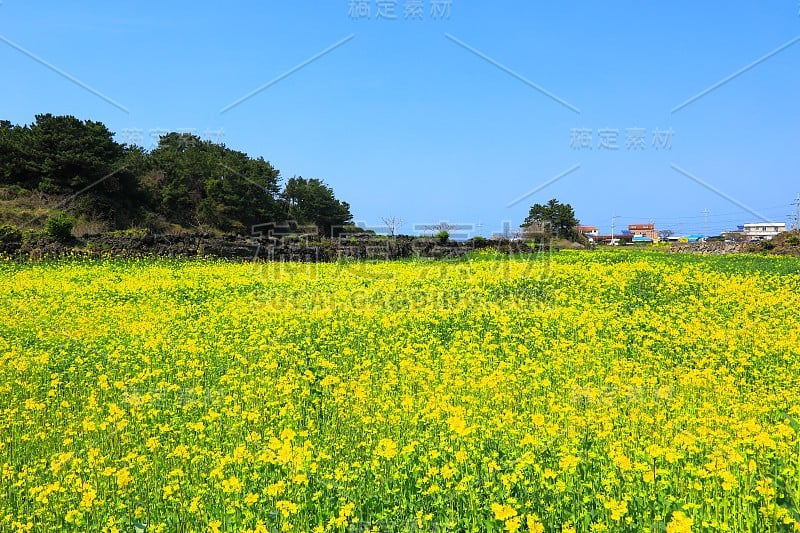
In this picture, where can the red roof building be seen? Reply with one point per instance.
(646, 230)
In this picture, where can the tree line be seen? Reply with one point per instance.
(184, 181)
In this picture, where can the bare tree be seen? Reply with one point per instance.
(392, 223)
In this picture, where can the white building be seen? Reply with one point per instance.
(591, 232)
(762, 231)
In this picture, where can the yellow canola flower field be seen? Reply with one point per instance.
(579, 391)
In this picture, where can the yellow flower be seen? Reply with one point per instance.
(181, 451)
(618, 509)
(88, 496)
(622, 462)
(276, 489)
(232, 484)
(386, 448)
(679, 523)
(73, 516)
(503, 511)
(568, 462)
(347, 510)
(123, 477)
(533, 523)
(235, 386)
(447, 472)
(512, 524)
(459, 426)
(286, 508)
(655, 451)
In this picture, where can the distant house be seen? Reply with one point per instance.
(762, 231)
(590, 232)
(643, 230)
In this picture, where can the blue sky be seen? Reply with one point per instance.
(450, 116)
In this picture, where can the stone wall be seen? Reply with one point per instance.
(242, 248)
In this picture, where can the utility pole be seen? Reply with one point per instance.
(797, 216)
(613, 221)
(705, 223)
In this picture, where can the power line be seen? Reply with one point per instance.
(689, 217)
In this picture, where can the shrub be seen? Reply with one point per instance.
(10, 234)
(59, 226)
(442, 236)
(794, 240)
(479, 242)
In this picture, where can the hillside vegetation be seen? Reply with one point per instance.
(63, 163)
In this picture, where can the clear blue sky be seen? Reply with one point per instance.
(403, 120)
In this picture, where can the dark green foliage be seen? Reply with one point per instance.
(185, 181)
(442, 236)
(14, 161)
(59, 227)
(310, 201)
(67, 154)
(555, 217)
(198, 182)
